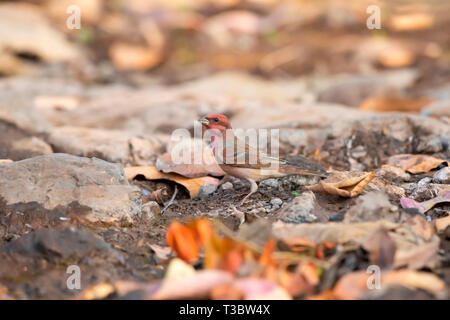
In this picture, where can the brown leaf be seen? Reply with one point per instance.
(350, 187)
(381, 248)
(133, 57)
(193, 185)
(442, 223)
(57, 102)
(421, 227)
(209, 166)
(182, 282)
(354, 285)
(416, 163)
(384, 104)
(411, 21)
(183, 241)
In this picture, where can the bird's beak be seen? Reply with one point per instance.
(204, 121)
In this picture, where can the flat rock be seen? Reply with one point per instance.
(64, 243)
(60, 179)
(372, 206)
(303, 208)
(17, 144)
(442, 176)
(110, 145)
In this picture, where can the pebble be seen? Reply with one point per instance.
(276, 202)
(442, 176)
(206, 190)
(273, 183)
(227, 186)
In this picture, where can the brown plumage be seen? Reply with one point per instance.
(249, 163)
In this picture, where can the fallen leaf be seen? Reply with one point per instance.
(57, 102)
(411, 250)
(354, 285)
(350, 187)
(98, 291)
(442, 223)
(183, 282)
(133, 57)
(182, 240)
(5, 161)
(260, 289)
(381, 249)
(193, 185)
(411, 21)
(425, 205)
(416, 163)
(421, 226)
(385, 104)
(163, 253)
(208, 166)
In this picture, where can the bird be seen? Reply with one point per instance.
(237, 163)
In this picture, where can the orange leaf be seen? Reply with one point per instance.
(266, 258)
(182, 240)
(193, 185)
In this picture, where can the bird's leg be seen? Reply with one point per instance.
(226, 178)
(253, 189)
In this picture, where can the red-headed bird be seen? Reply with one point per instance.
(248, 162)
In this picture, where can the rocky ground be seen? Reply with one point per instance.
(86, 118)
(65, 199)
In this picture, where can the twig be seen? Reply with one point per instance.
(170, 201)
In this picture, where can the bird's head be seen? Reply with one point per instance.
(215, 121)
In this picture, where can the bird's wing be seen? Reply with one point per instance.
(249, 157)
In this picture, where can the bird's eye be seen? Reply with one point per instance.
(216, 119)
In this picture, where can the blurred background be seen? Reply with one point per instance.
(173, 41)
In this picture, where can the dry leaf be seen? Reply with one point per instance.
(354, 285)
(416, 163)
(209, 166)
(133, 57)
(411, 21)
(57, 103)
(381, 248)
(426, 205)
(350, 187)
(193, 185)
(183, 241)
(5, 161)
(182, 282)
(442, 223)
(421, 227)
(384, 104)
(163, 253)
(98, 291)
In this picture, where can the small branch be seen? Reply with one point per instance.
(170, 201)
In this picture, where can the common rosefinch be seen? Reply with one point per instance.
(248, 162)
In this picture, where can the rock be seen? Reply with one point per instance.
(303, 208)
(295, 181)
(151, 209)
(110, 145)
(206, 190)
(276, 203)
(442, 176)
(73, 243)
(17, 144)
(392, 172)
(272, 183)
(437, 109)
(430, 144)
(227, 186)
(60, 180)
(372, 206)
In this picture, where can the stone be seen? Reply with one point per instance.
(272, 183)
(303, 208)
(227, 186)
(442, 176)
(111, 145)
(71, 242)
(59, 180)
(276, 202)
(372, 206)
(18, 144)
(206, 190)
